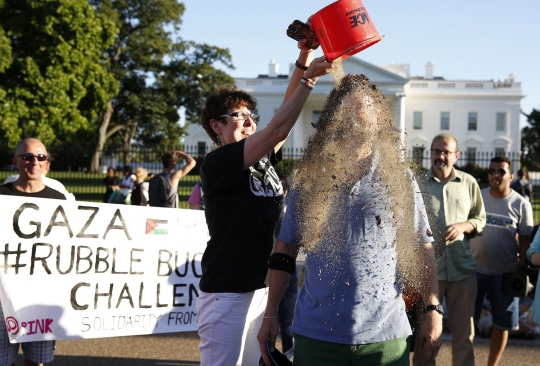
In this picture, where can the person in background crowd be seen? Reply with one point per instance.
(242, 196)
(31, 160)
(456, 211)
(528, 328)
(507, 214)
(522, 185)
(171, 179)
(139, 194)
(196, 200)
(112, 183)
(128, 182)
(533, 255)
(49, 182)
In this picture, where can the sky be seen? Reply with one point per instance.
(465, 39)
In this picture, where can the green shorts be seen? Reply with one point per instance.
(311, 352)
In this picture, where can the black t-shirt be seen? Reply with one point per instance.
(242, 208)
(111, 181)
(47, 192)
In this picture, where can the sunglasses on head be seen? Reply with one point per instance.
(499, 171)
(30, 157)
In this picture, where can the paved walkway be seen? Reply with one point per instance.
(180, 349)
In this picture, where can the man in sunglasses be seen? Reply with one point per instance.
(31, 160)
(497, 251)
(49, 182)
(456, 214)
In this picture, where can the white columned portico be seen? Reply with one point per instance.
(400, 116)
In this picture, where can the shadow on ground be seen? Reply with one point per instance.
(111, 361)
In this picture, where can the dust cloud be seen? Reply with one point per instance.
(354, 124)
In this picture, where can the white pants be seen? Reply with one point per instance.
(228, 325)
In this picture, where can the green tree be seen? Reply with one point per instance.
(53, 80)
(530, 141)
(157, 72)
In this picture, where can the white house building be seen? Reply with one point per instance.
(482, 115)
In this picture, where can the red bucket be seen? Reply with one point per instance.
(344, 28)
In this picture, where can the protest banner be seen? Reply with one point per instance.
(90, 270)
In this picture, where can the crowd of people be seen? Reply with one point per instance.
(349, 310)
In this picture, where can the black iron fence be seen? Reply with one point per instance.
(70, 164)
(476, 163)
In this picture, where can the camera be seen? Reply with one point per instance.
(520, 280)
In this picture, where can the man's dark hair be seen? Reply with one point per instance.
(503, 159)
(128, 169)
(520, 173)
(167, 159)
(219, 102)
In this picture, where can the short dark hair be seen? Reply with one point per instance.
(128, 169)
(167, 159)
(219, 102)
(520, 173)
(503, 159)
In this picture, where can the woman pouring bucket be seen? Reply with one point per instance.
(243, 197)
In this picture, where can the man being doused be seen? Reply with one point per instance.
(358, 212)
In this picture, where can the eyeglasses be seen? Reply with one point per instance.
(30, 157)
(442, 152)
(243, 115)
(499, 171)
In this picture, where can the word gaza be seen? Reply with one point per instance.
(64, 222)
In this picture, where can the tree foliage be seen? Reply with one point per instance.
(530, 141)
(53, 80)
(157, 71)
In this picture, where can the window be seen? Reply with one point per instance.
(471, 155)
(417, 120)
(201, 148)
(499, 151)
(418, 154)
(315, 118)
(473, 121)
(445, 121)
(500, 125)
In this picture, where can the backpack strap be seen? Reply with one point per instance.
(164, 179)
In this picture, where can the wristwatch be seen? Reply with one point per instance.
(438, 308)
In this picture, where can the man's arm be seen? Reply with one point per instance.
(278, 282)
(431, 332)
(476, 219)
(524, 243)
(190, 164)
(535, 259)
(454, 231)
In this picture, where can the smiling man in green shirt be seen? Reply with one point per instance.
(456, 213)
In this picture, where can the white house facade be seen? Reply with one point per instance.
(482, 115)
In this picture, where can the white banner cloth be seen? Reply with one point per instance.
(90, 270)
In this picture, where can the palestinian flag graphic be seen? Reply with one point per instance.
(157, 227)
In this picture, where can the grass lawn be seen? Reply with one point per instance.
(89, 187)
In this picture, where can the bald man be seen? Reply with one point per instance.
(31, 160)
(49, 182)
